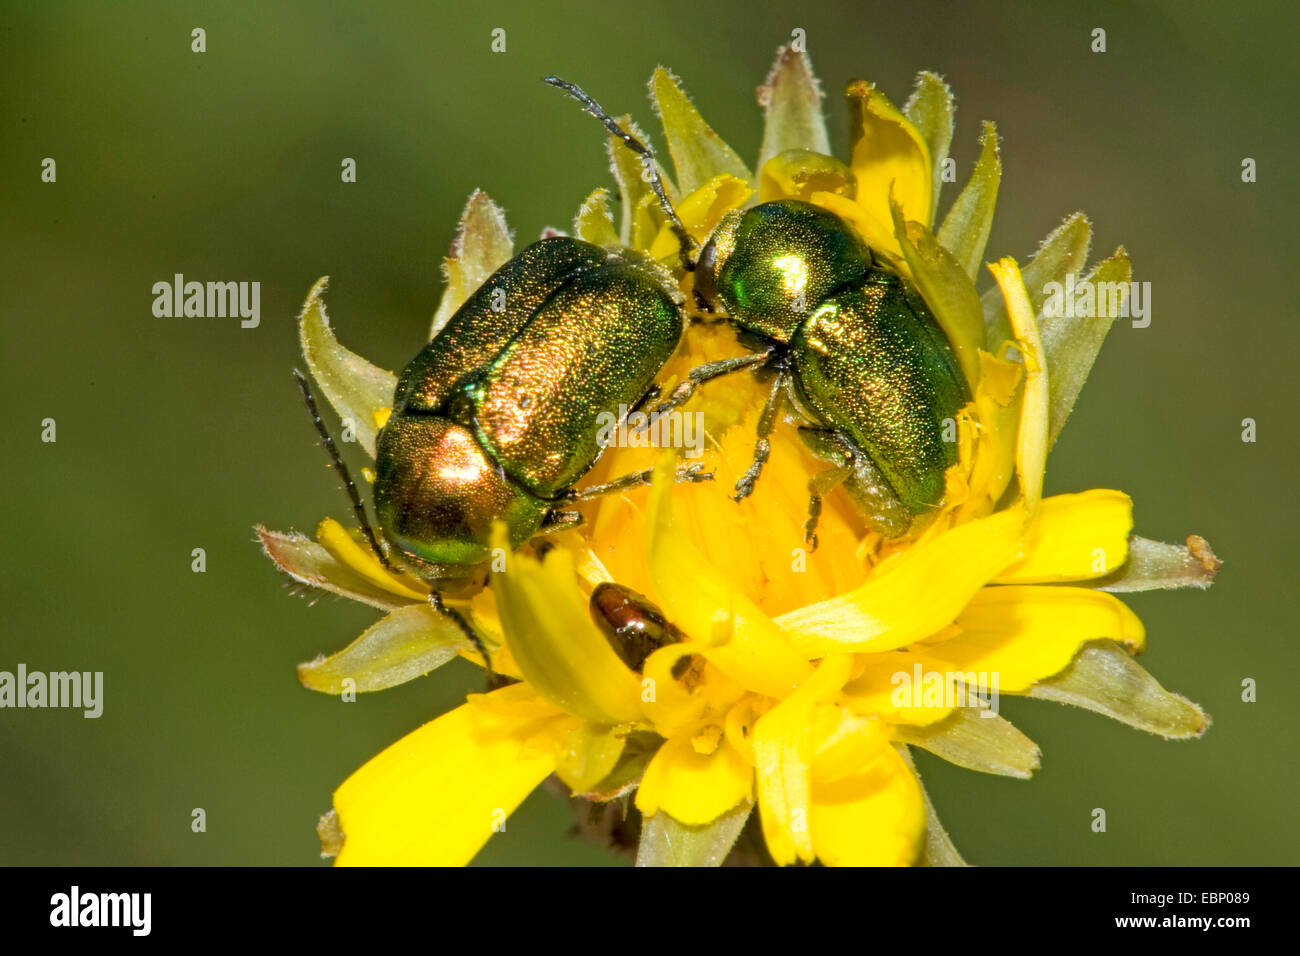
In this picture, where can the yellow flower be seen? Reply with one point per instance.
(806, 675)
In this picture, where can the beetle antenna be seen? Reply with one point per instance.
(590, 106)
(341, 467)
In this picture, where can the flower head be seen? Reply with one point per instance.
(802, 675)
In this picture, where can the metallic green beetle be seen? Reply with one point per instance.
(851, 342)
(845, 336)
(498, 416)
(501, 413)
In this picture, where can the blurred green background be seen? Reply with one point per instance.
(182, 433)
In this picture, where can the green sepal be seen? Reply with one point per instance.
(483, 244)
(931, 109)
(965, 230)
(1105, 678)
(699, 154)
(1156, 566)
(667, 842)
(355, 388)
(947, 290)
(791, 99)
(408, 643)
(1071, 344)
(977, 739)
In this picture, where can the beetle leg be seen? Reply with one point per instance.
(651, 393)
(686, 473)
(763, 445)
(819, 485)
(436, 602)
(559, 521)
(867, 487)
(701, 374)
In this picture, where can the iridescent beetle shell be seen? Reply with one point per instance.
(498, 415)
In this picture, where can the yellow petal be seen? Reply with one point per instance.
(307, 562)
(1019, 634)
(731, 630)
(758, 543)
(890, 687)
(801, 174)
(875, 818)
(434, 797)
(912, 596)
(559, 650)
(1031, 442)
(783, 756)
(335, 539)
(691, 787)
(874, 231)
(481, 247)
(701, 211)
(845, 742)
(740, 722)
(999, 378)
(588, 755)
(1074, 538)
(997, 415)
(517, 701)
(671, 708)
(887, 151)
